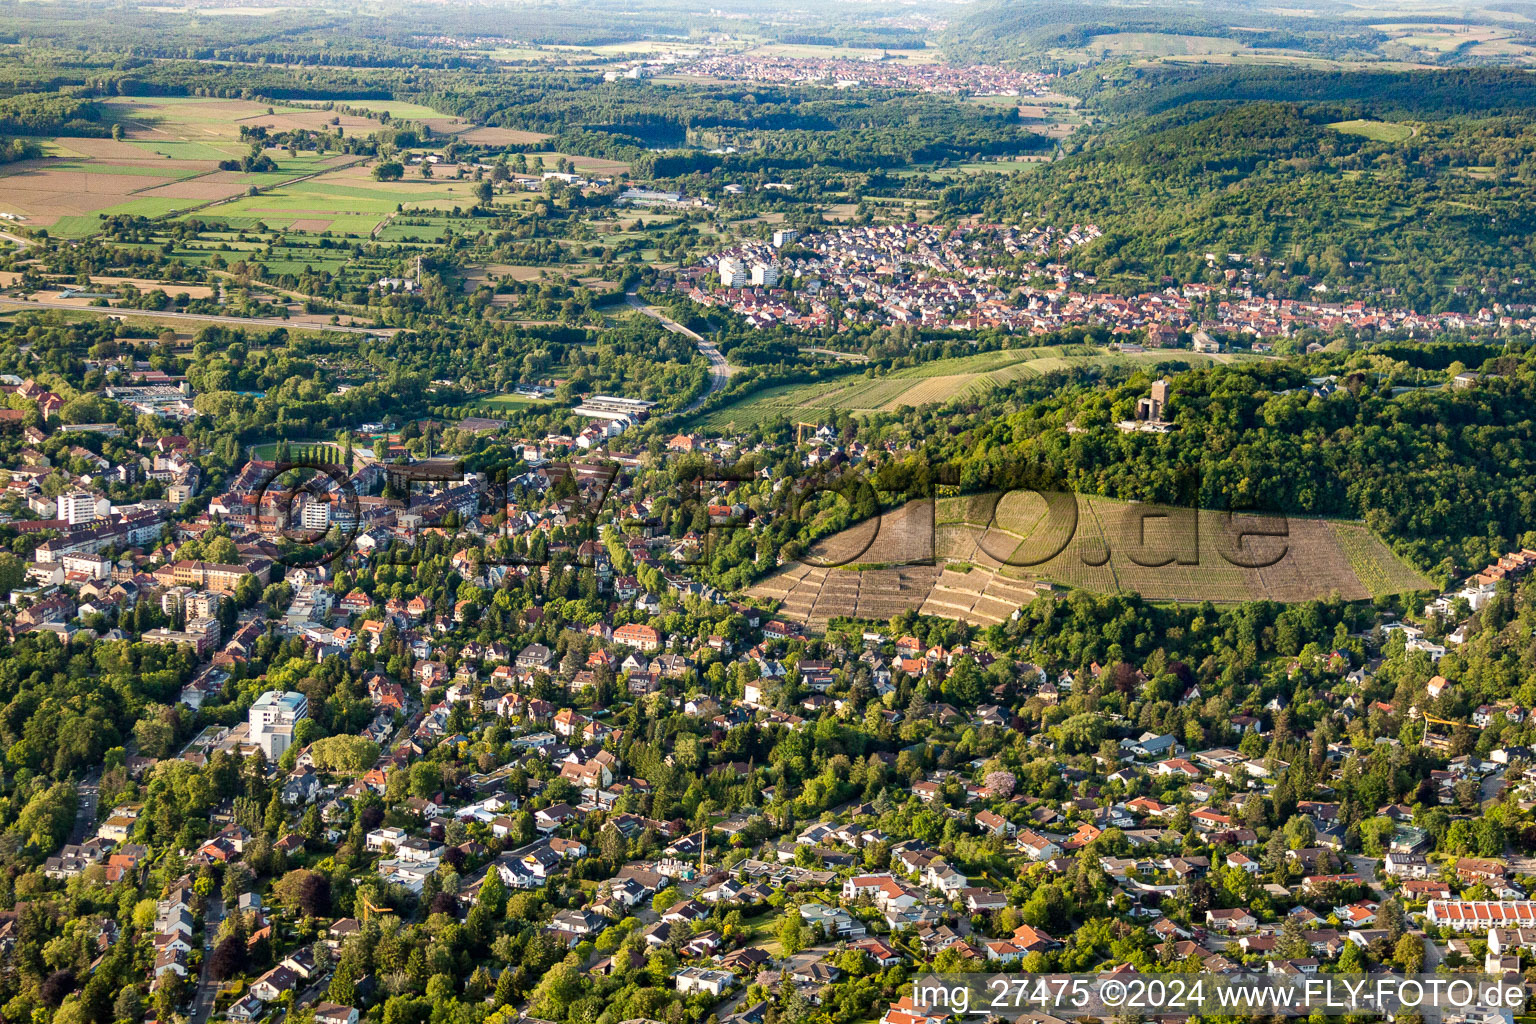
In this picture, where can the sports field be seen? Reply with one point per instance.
(301, 451)
(943, 380)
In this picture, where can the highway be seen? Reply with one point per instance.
(238, 321)
(719, 370)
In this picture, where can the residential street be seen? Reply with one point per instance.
(202, 1002)
(89, 791)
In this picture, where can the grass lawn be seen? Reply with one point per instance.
(509, 403)
(317, 450)
(1376, 131)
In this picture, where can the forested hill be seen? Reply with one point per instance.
(1444, 472)
(1125, 89)
(1026, 29)
(1433, 215)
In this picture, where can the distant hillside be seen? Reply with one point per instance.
(1022, 29)
(1435, 215)
(1123, 89)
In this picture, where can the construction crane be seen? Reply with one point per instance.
(369, 906)
(1429, 718)
(801, 428)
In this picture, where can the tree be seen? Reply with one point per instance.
(272, 821)
(484, 191)
(1390, 917)
(227, 957)
(791, 931)
(305, 890)
(426, 779)
(128, 1006)
(12, 572)
(390, 170)
(611, 845)
(344, 754)
(1352, 960)
(1409, 953)
(555, 993)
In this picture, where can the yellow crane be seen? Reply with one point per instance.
(1428, 718)
(368, 906)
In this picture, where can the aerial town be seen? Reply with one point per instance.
(864, 72)
(994, 277)
(825, 808)
(789, 513)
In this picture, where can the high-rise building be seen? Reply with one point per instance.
(77, 507)
(315, 515)
(765, 274)
(733, 273)
(272, 719)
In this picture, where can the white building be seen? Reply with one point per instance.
(733, 273)
(273, 717)
(702, 979)
(80, 507)
(315, 515)
(765, 274)
(784, 236)
(1480, 915)
(387, 835)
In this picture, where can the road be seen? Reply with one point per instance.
(238, 321)
(17, 240)
(89, 791)
(1365, 867)
(1493, 785)
(719, 370)
(207, 988)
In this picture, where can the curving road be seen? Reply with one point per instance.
(719, 370)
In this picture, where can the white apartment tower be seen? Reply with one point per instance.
(733, 273)
(272, 719)
(765, 274)
(77, 507)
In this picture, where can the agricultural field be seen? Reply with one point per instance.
(943, 380)
(817, 51)
(347, 201)
(1432, 40)
(1149, 44)
(1376, 131)
(996, 549)
(588, 165)
(167, 165)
